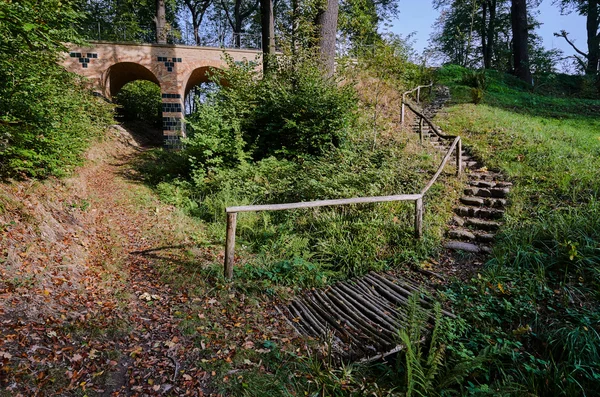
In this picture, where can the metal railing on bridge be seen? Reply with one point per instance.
(131, 32)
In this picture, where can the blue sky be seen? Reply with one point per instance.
(419, 16)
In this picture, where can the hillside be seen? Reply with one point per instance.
(101, 288)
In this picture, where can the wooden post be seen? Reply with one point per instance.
(418, 93)
(421, 130)
(402, 115)
(430, 90)
(459, 158)
(230, 244)
(419, 217)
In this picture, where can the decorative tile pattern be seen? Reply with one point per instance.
(171, 124)
(172, 142)
(169, 64)
(84, 59)
(171, 107)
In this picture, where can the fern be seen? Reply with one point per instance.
(428, 370)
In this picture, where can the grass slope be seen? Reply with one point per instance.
(537, 299)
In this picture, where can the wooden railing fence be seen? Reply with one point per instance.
(418, 98)
(417, 198)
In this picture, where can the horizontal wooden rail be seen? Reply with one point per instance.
(418, 90)
(323, 203)
(233, 211)
(417, 198)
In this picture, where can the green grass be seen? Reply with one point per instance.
(537, 299)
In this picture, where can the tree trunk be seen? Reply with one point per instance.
(484, 35)
(489, 51)
(268, 32)
(161, 22)
(593, 37)
(327, 21)
(518, 14)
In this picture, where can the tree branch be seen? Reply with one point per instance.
(564, 35)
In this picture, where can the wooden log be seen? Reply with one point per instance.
(401, 290)
(421, 130)
(375, 313)
(356, 313)
(371, 293)
(342, 310)
(459, 157)
(312, 300)
(290, 323)
(324, 203)
(230, 245)
(307, 315)
(303, 324)
(402, 113)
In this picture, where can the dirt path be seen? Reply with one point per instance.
(102, 292)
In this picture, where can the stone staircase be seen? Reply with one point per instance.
(480, 210)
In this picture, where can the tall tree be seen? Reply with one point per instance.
(591, 9)
(520, 30)
(242, 10)
(198, 9)
(161, 22)
(268, 32)
(488, 31)
(327, 23)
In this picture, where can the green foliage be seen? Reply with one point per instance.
(123, 20)
(475, 79)
(47, 118)
(537, 299)
(298, 113)
(141, 100)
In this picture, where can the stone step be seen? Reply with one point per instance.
(467, 247)
(489, 176)
(487, 185)
(487, 192)
(482, 224)
(483, 202)
(463, 234)
(482, 212)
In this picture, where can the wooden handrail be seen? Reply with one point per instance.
(417, 198)
(323, 203)
(418, 89)
(456, 143)
(430, 123)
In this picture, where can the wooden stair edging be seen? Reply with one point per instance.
(480, 209)
(360, 318)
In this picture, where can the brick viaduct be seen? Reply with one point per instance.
(175, 68)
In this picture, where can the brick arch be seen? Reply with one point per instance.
(122, 73)
(199, 75)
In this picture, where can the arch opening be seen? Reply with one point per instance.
(198, 86)
(140, 111)
(122, 73)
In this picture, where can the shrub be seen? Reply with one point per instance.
(140, 100)
(47, 117)
(299, 112)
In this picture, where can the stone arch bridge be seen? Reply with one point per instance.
(176, 69)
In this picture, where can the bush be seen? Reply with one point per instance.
(140, 100)
(299, 112)
(47, 116)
